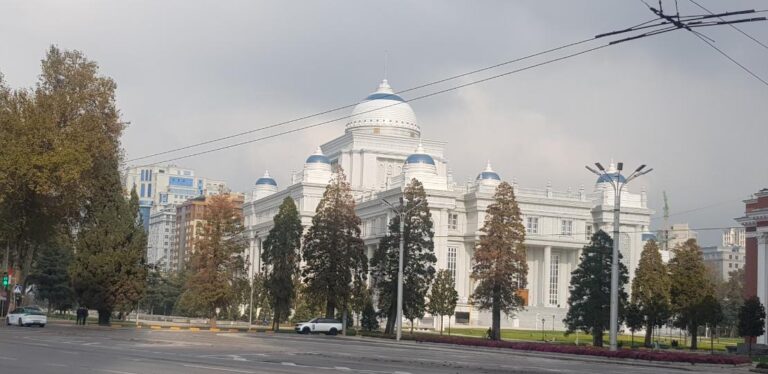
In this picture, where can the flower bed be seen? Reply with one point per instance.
(589, 351)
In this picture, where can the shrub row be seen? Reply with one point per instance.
(589, 351)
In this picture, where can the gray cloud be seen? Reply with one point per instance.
(190, 71)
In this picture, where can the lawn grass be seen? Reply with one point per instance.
(584, 339)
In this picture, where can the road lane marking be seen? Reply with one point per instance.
(116, 371)
(57, 365)
(7, 358)
(219, 368)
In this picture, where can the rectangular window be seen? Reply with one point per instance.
(142, 190)
(453, 221)
(730, 265)
(737, 257)
(566, 227)
(532, 225)
(730, 257)
(554, 276)
(451, 263)
(149, 190)
(588, 231)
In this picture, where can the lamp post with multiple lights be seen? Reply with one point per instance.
(615, 178)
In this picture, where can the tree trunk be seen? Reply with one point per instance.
(694, 333)
(411, 327)
(104, 316)
(441, 325)
(496, 314)
(330, 308)
(391, 320)
(648, 335)
(597, 337)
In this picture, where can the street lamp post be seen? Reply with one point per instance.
(614, 177)
(400, 210)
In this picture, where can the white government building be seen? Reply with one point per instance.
(382, 149)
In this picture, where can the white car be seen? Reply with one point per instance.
(26, 316)
(329, 326)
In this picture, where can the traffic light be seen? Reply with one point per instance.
(5, 279)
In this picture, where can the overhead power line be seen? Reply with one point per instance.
(349, 106)
(732, 25)
(746, 69)
(454, 88)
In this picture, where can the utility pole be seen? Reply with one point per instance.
(618, 182)
(401, 211)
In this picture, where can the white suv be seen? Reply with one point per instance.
(325, 325)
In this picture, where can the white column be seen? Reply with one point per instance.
(545, 273)
(762, 280)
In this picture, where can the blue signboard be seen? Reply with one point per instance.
(181, 181)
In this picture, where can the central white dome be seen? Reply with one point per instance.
(384, 112)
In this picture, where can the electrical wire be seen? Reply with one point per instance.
(731, 59)
(733, 26)
(454, 88)
(348, 106)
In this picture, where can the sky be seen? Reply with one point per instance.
(190, 71)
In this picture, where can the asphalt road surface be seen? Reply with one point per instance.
(62, 349)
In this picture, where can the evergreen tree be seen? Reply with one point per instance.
(281, 260)
(634, 319)
(690, 286)
(500, 267)
(217, 265)
(109, 271)
(590, 297)
(418, 258)
(730, 293)
(369, 321)
(651, 289)
(443, 296)
(50, 277)
(751, 320)
(333, 251)
(308, 306)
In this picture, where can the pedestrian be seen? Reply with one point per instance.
(85, 316)
(79, 314)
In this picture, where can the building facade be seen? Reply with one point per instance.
(382, 150)
(755, 222)
(190, 215)
(158, 186)
(162, 237)
(722, 260)
(734, 236)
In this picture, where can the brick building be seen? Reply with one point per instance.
(755, 222)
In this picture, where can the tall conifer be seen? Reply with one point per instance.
(418, 258)
(690, 287)
(651, 289)
(333, 251)
(500, 267)
(281, 258)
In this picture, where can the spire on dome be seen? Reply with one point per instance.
(318, 157)
(488, 166)
(385, 88)
(266, 179)
(488, 173)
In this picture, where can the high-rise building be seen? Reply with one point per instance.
(162, 237)
(189, 215)
(158, 186)
(722, 260)
(677, 234)
(735, 236)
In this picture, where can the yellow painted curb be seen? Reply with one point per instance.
(194, 329)
(175, 328)
(214, 329)
(116, 326)
(155, 327)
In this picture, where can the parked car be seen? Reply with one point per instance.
(26, 316)
(328, 326)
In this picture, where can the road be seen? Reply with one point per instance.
(62, 349)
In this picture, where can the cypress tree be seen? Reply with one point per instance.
(500, 267)
(689, 288)
(751, 320)
(418, 258)
(651, 289)
(589, 302)
(333, 251)
(281, 258)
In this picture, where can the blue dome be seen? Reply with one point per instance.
(266, 180)
(420, 158)
(385, 96)
(489, 175)
(320, 159)
(606, 178)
